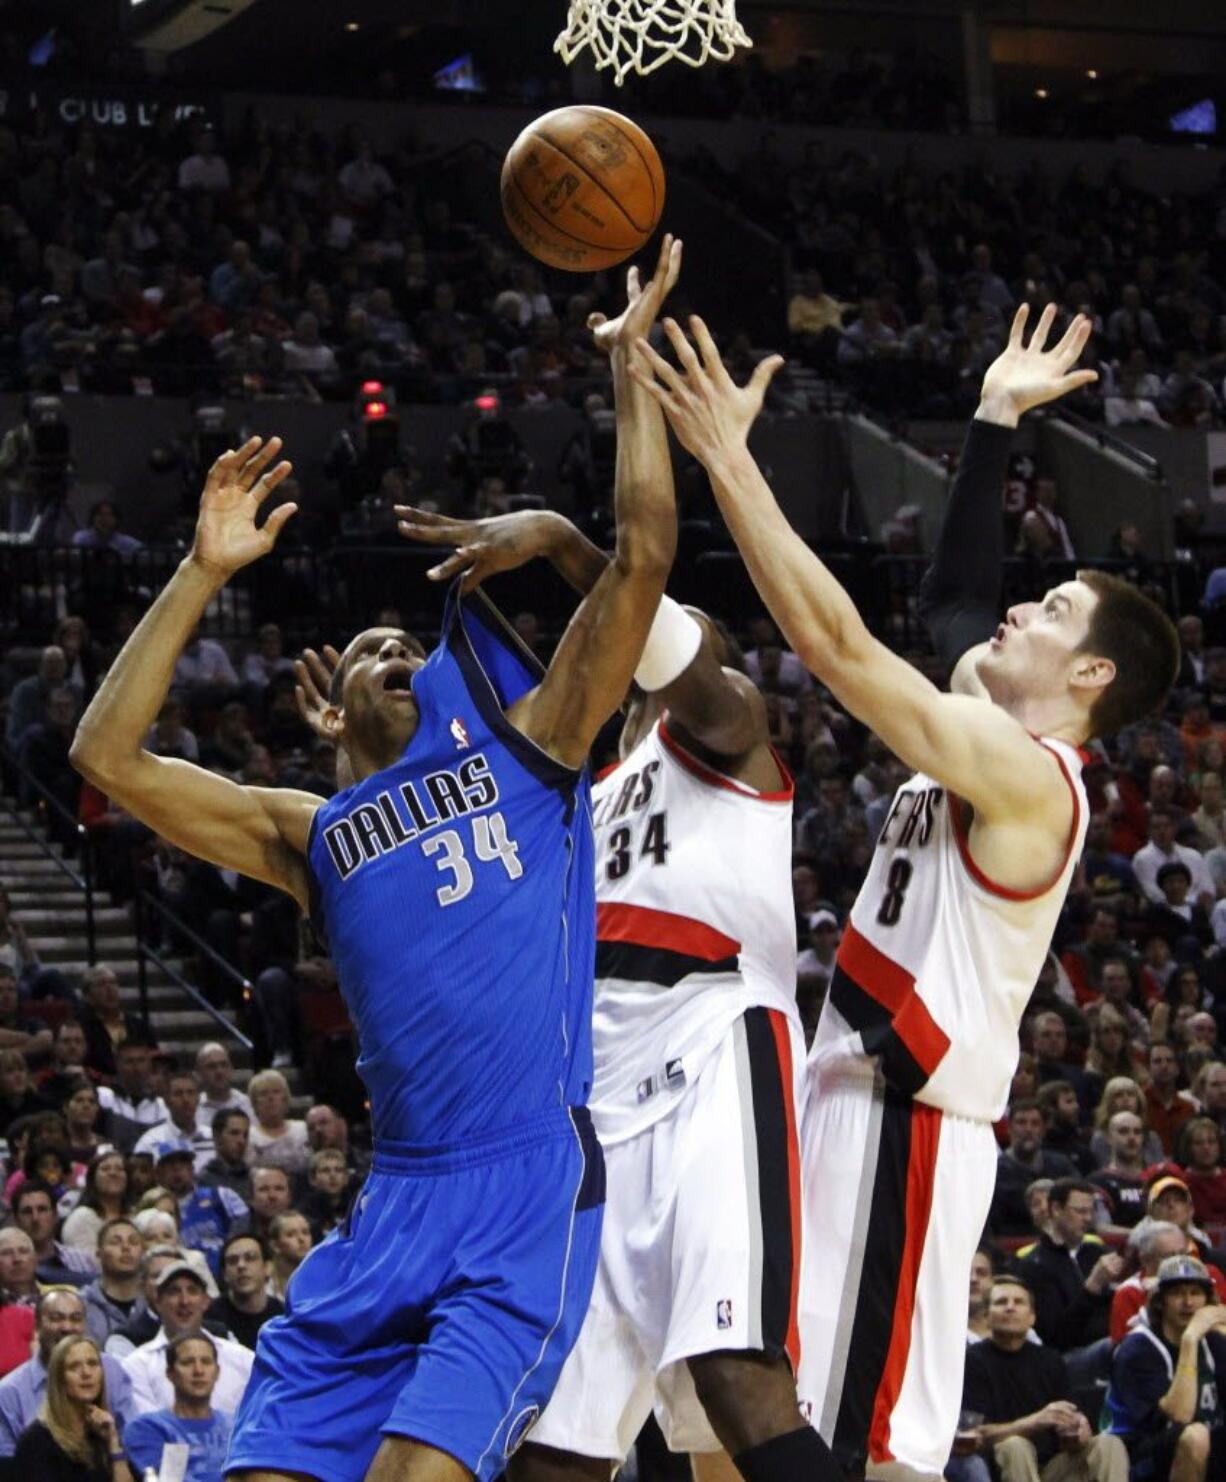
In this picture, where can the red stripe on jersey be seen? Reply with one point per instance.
(617, 922)
(606, 771)
(718, 779)
(894, 988)
(783, 1047)
(921, 1180)
(961, 834)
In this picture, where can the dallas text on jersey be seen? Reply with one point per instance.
(406, 812)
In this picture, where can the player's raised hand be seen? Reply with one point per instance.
(314, 673)
(1026, 375)
(643, 302)
(482, 547)
(227, 536)
(707, 410)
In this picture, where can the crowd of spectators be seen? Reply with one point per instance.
(295, 263)
(906, 280)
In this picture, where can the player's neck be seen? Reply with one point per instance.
(1045, 715)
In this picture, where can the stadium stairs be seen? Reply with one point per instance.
(53, 911)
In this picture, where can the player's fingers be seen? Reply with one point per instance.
(458, 561)
(663, 261)
(420, 516)
(1077, 378)
(1043, 328)
(320, 673)
(660, 372)
(427, 534)
(280, 517)
(633, 286)
(642, 374)
(259, 461)
(331, 655)
(682, 347)
(764, 373)
(1019, 326)
(674, 264)
(306, 679)
(267, 482)
(1072, 342)
(595, 320)
(712, 363)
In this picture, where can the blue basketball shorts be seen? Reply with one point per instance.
(442, 1310)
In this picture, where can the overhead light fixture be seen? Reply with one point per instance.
(1092, 73)
(1040, 92)
(353, 25)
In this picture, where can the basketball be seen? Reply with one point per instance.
(582, 188)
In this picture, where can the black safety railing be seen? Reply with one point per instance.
(147, 905)
(1112, 442)
(46, 805)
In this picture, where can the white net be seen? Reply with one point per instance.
(641, 35)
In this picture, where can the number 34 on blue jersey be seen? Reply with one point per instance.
(489, 844)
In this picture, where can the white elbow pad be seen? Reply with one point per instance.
(671, 644)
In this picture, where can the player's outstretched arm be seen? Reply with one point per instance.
(593, 665)
(960, 593)
(261, 832)
(971, 746)
(717, 707)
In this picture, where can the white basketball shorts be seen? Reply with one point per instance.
(896, 1196)
(700, 1251)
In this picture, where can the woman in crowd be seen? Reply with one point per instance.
(276, 1140)
(1122, 1093)
(1198, 1150)
(81, 1115)
(74, 1438)
(104, 1197)
(18, 1097)
(1111, 1055)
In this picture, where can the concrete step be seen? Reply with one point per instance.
(58, 949)
(61, 917)
(14, 869)
(22, 847)
(50, 898)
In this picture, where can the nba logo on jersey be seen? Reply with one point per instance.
(723, 1313)
(460, 733)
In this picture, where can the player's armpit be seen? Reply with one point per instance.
(722, 710)
(260, 832)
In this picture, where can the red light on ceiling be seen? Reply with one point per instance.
(373, 410)
(486, 403)
(372, 388)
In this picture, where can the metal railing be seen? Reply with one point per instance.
(1111, 441)
(82, 879)
(146, 902)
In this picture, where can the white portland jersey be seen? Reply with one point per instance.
(694, 923)
(937, 963)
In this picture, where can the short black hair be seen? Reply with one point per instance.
(37, 1185)
(230, 1240)
(1063, 1187)
(223, 1118)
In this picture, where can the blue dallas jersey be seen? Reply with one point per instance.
(456, 892)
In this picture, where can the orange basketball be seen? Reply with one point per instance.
(582, 188)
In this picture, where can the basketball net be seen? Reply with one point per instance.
(641, 35)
